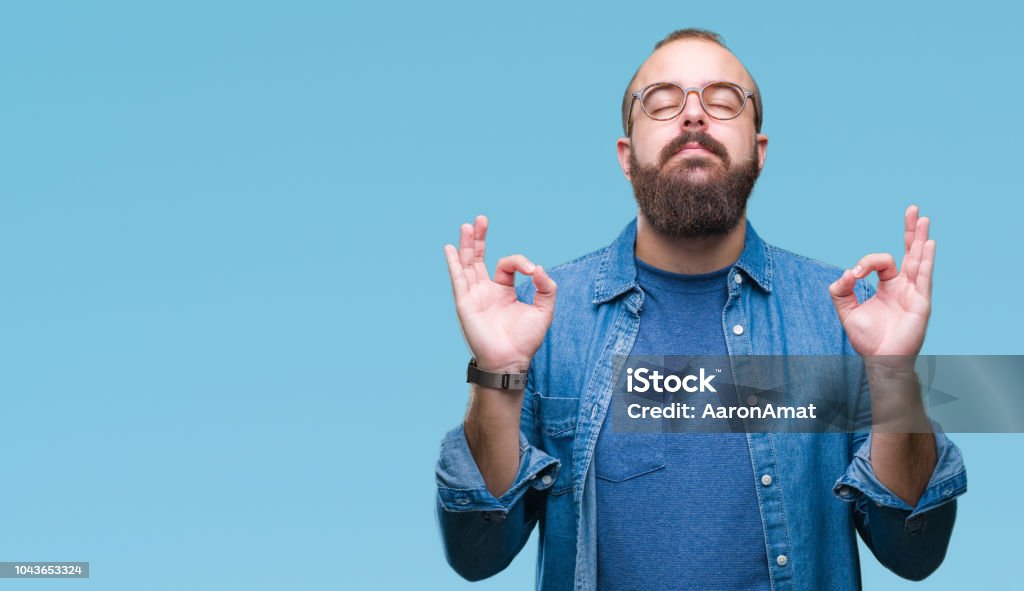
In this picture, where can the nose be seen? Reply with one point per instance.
(693, 116)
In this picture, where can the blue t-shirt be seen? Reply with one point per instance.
(693, 523)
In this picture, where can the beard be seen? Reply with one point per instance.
(694, 196)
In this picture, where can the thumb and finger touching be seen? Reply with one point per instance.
(466, 266)
(917, 265)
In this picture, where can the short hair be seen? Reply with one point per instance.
(692, 33)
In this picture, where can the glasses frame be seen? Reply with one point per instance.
(637, 96)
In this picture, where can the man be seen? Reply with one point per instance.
(689, 276)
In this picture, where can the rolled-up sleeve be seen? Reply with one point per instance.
(461, 487)
(948, 479)
(909, 541)
(481, 534)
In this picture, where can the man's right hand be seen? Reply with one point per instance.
(502, 332)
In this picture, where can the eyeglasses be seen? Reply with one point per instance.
(663, 101)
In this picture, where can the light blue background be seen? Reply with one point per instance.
(228, 350)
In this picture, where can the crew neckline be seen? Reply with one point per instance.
(651, 277)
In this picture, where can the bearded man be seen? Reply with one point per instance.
(690, 277)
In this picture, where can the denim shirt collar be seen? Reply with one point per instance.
(617, 274)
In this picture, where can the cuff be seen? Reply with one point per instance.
(948, 480)
(461, 487)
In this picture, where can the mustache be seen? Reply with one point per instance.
(704, 140)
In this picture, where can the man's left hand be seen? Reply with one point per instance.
(894, 320)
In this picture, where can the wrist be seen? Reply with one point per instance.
(890, 365)
(898, 378)
(502, 365)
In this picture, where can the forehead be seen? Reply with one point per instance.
(692, 62)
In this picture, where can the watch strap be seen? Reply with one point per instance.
(495, 380)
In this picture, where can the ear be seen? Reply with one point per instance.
(624, 148)
(762, 149)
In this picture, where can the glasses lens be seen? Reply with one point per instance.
(663, 102)
(723, 101)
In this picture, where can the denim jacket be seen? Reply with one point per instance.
(813, 489)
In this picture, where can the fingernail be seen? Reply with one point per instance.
(530, 268)
(858, 270)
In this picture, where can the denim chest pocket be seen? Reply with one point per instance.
(624, 456)
(556, 421)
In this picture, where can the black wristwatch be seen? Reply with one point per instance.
(497, 381)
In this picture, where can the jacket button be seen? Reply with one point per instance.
(766, 480)
(781, 560)
(737, 278)
(546, 479)
(738, 329)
